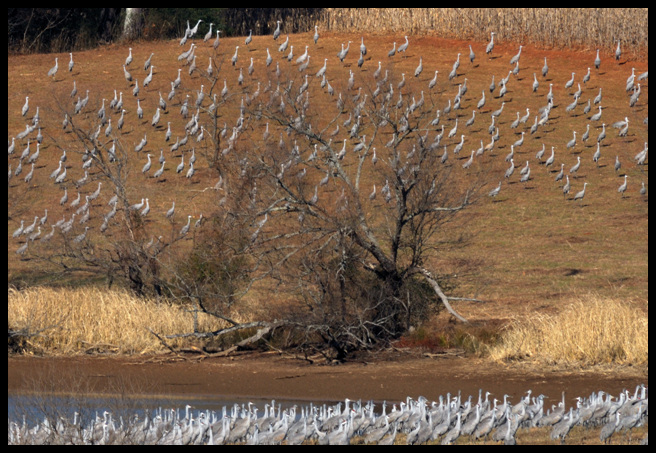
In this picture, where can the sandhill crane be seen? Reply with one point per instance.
(185, 229)
(138, 206)
(515, 59)
(393, 51)
(53, 70)
(609, 429)
(498, 112)
(596, 116)
(570, 82)
(618, 51)
(545, 68)
(208, 35)
(581, 194)
(235, 56)
(490, 45)
(510, 169)
(621, 189)
(597, 61)
(146, 167)
(536, 84)
(26, 106)
(454, 433)
(494, 192)
(550, 159)
(127, 75)
(567, 186)
(403, 47)
(469, 161)
(602, 134)
(625, 129)
(194, 30)
(149, 77)
(80, 237)
(19, 230)
(597, 155)
(420, 67)
(576, 166)
(277, 31)
(160, 171)
(146, 209)
(572, 142)
(586, 77)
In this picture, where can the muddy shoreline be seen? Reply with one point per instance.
(273, 376)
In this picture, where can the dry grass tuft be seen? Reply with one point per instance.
(592, 330)
(82, 320)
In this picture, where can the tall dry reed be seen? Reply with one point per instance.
(592, 330)
(548, 27)
(81, 320)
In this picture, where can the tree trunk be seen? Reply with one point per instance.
(133, 23)
(436, 287)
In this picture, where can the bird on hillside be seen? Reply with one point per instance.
(510, 169)
(403, 47)
(621, 189)
(26, 106)
(393, 51)
(277, 31)
(581, 194)
(53, 70)
(567, 186)
(185, 229)
(490, 45)
(235, 56)
(494, 192)
(515, 59)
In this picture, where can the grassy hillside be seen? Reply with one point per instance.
(530, 248)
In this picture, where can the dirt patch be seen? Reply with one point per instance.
(274, 376)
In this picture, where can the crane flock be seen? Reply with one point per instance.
(448, 420)
(188, 94)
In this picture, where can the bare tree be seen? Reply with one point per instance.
(349, 224)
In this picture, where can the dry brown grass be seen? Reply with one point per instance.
(548, 27)
(591, 330)
(83, 320)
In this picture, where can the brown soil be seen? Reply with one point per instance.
(263, 376)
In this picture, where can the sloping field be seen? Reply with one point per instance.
(531, 247)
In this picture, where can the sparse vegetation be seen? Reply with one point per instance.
(87, 320)
(591, 330)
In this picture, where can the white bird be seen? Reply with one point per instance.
(576, 166)
(494, 192)
(146, 209)
(621, 189)
(490, 45)
(26, 106)
(146, 167)
(53, 70)
(510, 169)
(581, 194)
(403, 47)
